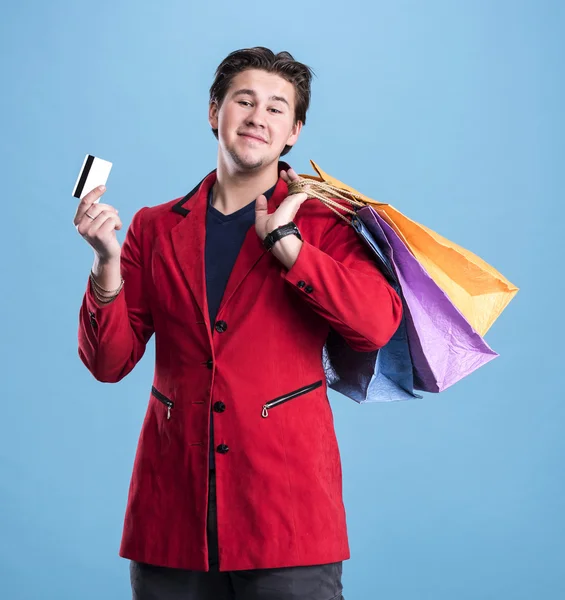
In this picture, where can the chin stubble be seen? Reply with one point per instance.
(240, 163)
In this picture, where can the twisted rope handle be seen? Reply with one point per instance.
(325, 193)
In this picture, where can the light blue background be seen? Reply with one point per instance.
(450, 111)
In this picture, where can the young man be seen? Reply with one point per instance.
(236, 489)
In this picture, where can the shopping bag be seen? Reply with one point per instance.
(476, 288)
(385, 375)
(443, 345)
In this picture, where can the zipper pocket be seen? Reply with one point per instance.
(168, 403)
(289, 396)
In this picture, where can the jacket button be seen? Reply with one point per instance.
(222, 449)
(92, 319)
(301, 284)
(308, 289)
(219, 406)
(221, 326)
(209, 363)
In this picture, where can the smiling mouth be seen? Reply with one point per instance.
(253, 137)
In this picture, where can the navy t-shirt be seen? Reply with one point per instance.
(224, 237)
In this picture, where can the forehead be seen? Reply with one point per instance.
(263, 84)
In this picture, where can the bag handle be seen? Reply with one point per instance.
(325, 193)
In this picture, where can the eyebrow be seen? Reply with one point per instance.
(247, 92)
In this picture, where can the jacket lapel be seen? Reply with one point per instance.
(252, 250)
(188, 239)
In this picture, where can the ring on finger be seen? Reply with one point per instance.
(90, 216)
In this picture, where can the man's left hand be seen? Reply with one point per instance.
(285, 213)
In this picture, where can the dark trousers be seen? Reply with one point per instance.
(316, 582)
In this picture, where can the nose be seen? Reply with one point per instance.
(255, 118)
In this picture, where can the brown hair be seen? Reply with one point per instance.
(282, 64)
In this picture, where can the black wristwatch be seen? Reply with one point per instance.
(280, 232)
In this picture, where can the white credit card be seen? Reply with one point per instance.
(94, 172)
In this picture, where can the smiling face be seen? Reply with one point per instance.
(256, 119)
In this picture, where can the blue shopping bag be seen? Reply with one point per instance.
(385, 375)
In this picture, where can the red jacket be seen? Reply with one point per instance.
(278, 469)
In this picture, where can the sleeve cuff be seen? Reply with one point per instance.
(300, 274)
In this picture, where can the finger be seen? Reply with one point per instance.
(285, 176)
(103, 231)
(87, 202)
(92, 213)
(93, 196)
(105, 207)
(261, 204)
(293, 175)
(112, 222)
(95, 209)
(105, 216)
(90, 227)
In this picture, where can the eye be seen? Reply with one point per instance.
(244, 102)
(276, 111)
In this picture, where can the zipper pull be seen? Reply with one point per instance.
(168, 412)
(264, 413)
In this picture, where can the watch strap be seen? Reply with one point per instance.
(272, 238)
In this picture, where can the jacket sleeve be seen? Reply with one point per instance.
(342, 283)
(112, 338)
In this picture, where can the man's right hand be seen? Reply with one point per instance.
(100, 231)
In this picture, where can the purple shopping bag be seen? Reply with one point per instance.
(443, 346)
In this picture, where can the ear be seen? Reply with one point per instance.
(294, 134)
(213, 115)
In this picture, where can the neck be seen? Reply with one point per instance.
(235, 189)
